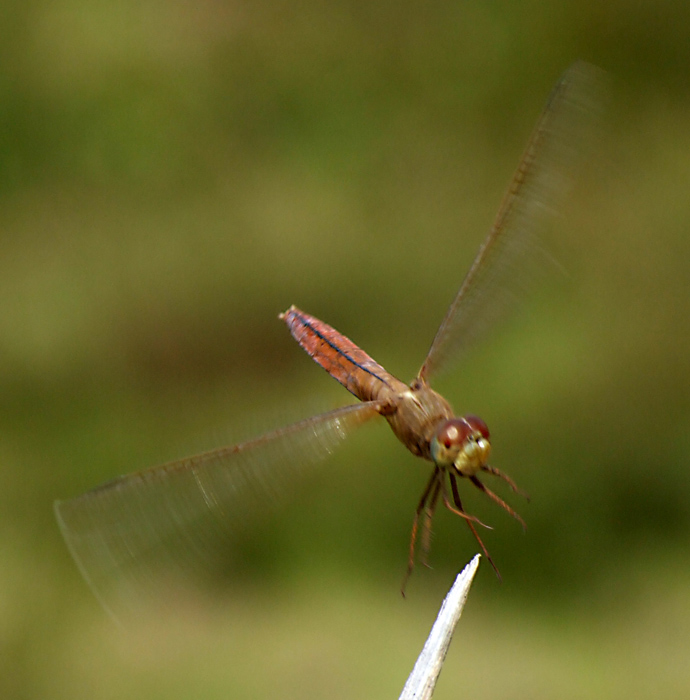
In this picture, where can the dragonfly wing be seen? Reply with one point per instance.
(174, 522)
(510, 256)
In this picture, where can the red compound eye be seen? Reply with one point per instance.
(453, 432)
(478, 425)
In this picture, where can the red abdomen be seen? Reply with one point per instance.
(340, 357)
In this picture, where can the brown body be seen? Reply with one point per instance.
(420, 418)
(414, 412)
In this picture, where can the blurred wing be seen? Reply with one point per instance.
(133, 535)
(509, 256)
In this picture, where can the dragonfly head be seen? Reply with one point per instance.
(462, 443)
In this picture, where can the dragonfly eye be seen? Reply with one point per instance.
(448, 441)
(478, 426)
(462, 443)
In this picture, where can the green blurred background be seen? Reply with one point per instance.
(173, 175)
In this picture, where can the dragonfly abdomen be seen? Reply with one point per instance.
(341, 358)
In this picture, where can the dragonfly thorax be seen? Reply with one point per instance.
(461, 443)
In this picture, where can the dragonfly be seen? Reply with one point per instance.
(169, 518)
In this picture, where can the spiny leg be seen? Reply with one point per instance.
(458, 503)
(507, 479)
(429, 511)
(436, 474)
(498, 500)
(460, 511)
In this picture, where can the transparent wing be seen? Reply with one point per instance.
(510, 255)
(136, 534)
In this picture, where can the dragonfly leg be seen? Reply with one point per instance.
(458, 503)
(498, 500)
(507, 479)
(429, 511)
(431, 485)
(458, 509)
